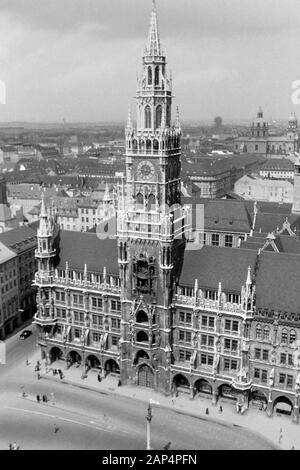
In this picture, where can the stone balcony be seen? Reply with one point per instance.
(44, 280)
(210, 305)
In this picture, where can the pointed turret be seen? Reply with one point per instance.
(153, 47)
(44, 229)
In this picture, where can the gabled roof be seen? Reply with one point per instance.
(80, 248)
(211, 265)
(5, 253)
(226, 214)
(276, 283)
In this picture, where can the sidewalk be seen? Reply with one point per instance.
(253, 420)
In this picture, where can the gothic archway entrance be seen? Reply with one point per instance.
(181, 384)
(111, 367)
(227, 391)
(203, 386)
(92, 362)
(74, 357)
(258, 399)
(55, 354)
(145, 377)
(283, 405)
(140, 356)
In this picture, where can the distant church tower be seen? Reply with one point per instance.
(260, 127)
(150, 225)
(292, 134)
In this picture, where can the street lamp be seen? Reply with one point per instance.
(148, 419)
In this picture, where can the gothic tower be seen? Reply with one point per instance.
(150, 224)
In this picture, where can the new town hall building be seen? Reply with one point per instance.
(223, 322)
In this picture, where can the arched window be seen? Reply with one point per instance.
(168, 115)
(156, 78)
(140, 200)
(134, 144)
(293, 336)
(142, 317)
(149, 76)
(266, 332)
(284, 336)
(155, 144)
(158, 115)
(142, 337)
(148, 144)
(151, 202)
(258, 332)
(147, 117)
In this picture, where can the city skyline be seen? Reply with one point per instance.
(61, 63)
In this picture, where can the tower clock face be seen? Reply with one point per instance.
(145, 170)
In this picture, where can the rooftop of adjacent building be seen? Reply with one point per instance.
(212, 166)
(277, 164)
(33, 191)
(273, 271)
(20, 239)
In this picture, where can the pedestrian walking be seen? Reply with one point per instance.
(293, 448)
(56, 428)
(280, 436)
(207, 411)
(119, 383)
(27, 362)
(10, 446)
(221, 409)
(99, 377)
(38, 398)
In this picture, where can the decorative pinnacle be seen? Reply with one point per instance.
(163, 118)
(43, 212)
(153, 47)
(129, 121)
(177, 122)
(249, 282)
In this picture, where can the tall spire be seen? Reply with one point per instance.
(153, 47)
(129, 121)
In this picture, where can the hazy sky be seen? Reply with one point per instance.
(77, 59)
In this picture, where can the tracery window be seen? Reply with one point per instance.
(258, 332)
(147, 117)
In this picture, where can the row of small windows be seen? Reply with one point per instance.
(97, 320)
(287, 337)
(149, 145)
(283, 379)
(97, 302)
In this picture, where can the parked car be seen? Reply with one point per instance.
(25, 334)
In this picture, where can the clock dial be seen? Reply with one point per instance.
(145, 170)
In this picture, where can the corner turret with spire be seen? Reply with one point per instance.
(45, 237)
